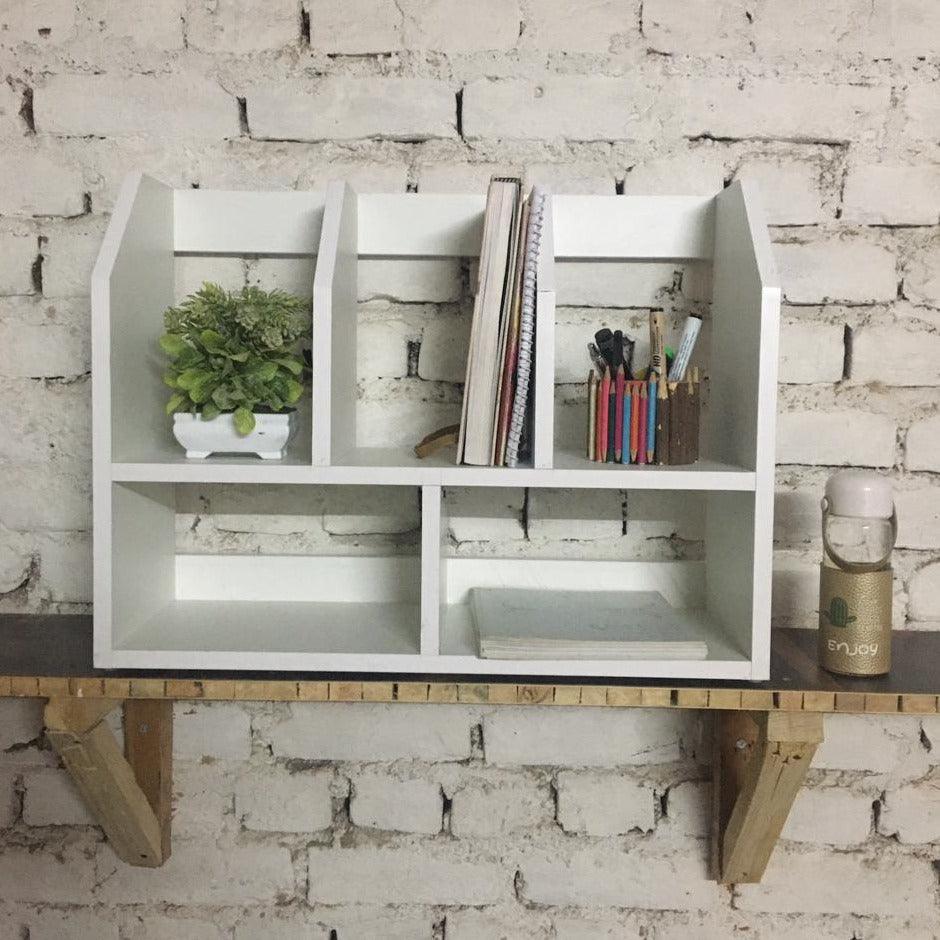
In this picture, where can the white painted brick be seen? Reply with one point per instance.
(9, 799)
(341, 108)
(810, 352)
(930, 729)
(401, 421)
(121, 23)
(353, 922)
(484, 514)
(851, 883)
(835, 438)
(11, 100)
(456, 27)
(52, 800)
(492, 806)
(16, 559)
(848, 270)
(875, 745)
(694, 27)
(899, 350)
(395, 876)
(587, 179)
(688, 810)
(356, 510)
(20, 721)
(274, 800)
(204, 797)
(21, 22)
(830, 816)
(912, 813)
(380, 800)
(790, 190)
(881, 194)
(151, 926)
(585, 514)
(240, 26)
(921, 106)
(415, 280)
(797, 513)
(39, 181)
(354, 27)
(462, 177)
(795, 593)
(612, 927)
(444, 345)
(618, 285)
(72, 924)
(45, 420)
(511, 924)
(924, 593)
(190, 272)
(65, 566)
(19, 249)
(40, 339)
(551, 108)
(382, 339)
(149, 105)
(769, 107)
(922, 277)
(219, 730)
(590, 738)
(611, 877)
(201, 873)
(294, 275)
(62, 877)
(922, 445)
(698, 171)
(588, 27)
(918, 517)
(373, 732)
(69, 254)
(603, 804)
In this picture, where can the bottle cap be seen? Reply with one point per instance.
(859, 493)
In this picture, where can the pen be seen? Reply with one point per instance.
(625, 456)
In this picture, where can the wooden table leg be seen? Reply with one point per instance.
(106, 780)
(760, 761)
(148, 747)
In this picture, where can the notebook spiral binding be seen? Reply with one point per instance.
(526, 326)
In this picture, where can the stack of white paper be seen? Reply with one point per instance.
(515, 623)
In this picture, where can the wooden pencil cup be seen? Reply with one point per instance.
(677, 424)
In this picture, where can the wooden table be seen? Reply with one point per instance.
(765, 732)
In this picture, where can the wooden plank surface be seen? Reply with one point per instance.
(148, 747)
(43, 656)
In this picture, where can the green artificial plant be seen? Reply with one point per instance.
(234, 351)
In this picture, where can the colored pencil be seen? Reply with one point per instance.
(651, 425)
(603, 406)
(644, 417)
(618, 416)
(592, 416)
(611, 424)
(634, 420)
(625, 456)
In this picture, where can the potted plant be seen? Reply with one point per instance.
(235, 370)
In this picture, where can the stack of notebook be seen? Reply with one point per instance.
(518, 623)
(497, 400)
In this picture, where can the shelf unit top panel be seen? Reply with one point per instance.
(42, 655)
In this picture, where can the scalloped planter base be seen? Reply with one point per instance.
(201, 438)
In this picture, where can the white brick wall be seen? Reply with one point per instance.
(425, 822)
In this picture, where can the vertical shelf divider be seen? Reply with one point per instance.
(544, 418)
(334, 327)
(432, 594)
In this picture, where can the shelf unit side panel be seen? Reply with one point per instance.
(593, 228)
(143, 560)
(141, 287)
(544, 390)
(233, 223)
(431, 569)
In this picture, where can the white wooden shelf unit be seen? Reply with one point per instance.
(156, 608)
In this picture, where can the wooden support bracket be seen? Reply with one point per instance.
(760, 761)
(128, 795)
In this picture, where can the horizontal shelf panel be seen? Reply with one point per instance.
(241, 630)
(624, 228)
(265, 223)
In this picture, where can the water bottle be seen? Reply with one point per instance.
(859, 527)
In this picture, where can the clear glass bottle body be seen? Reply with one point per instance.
(853, 541)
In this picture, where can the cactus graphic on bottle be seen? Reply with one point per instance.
(838, 613)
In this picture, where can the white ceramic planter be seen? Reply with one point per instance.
(268, 440)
